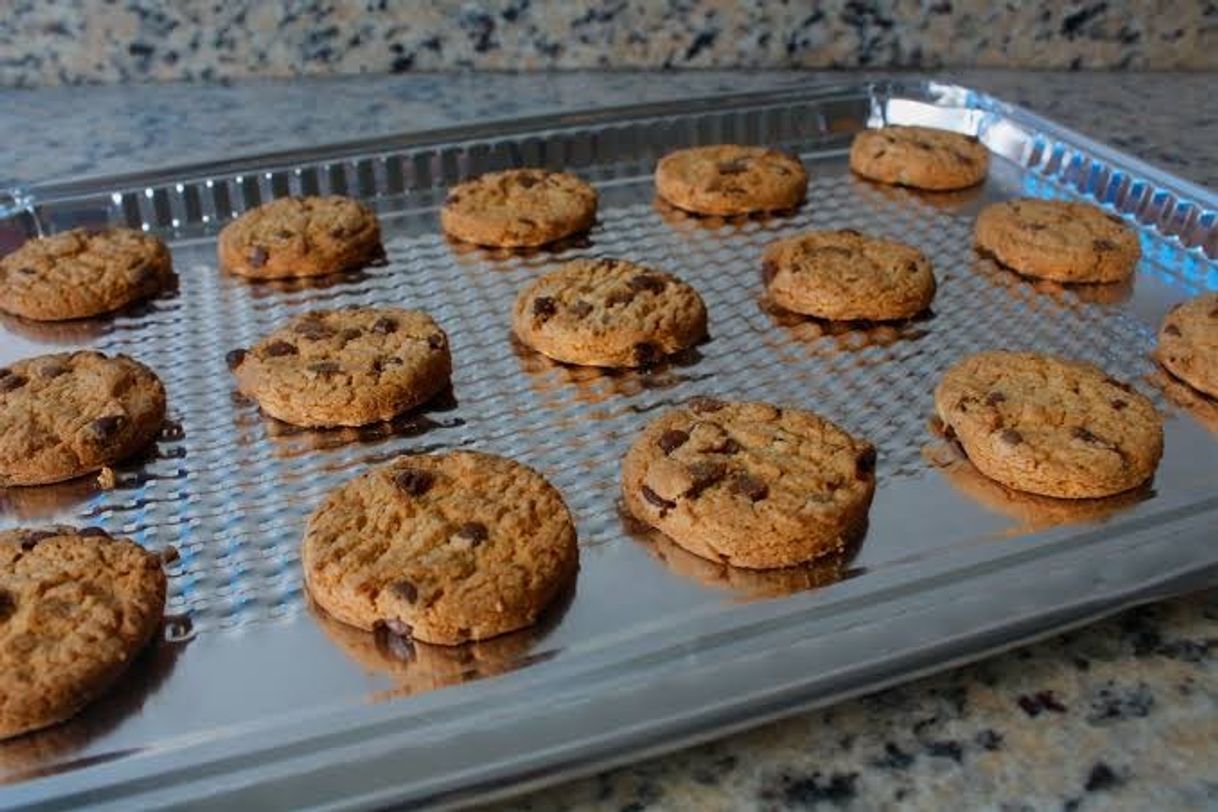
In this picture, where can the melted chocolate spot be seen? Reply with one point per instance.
(10, 382)
(619, 297)
(414, 481)
(581, 309)
(104, 428)
(278, 349)
(544, 307)
(284, 234)
(475, 532)
(527, 181)
(704, 474)
(92, 531)
(1011, 437)
(233, 358)
(8, 605)
(1080, 433)
(351, 333)
(30, 538)
(405, 590)
(672, 439)
(702, 405)
(750, 486)
(864, 464)
(53, 371)
(728, 446)
(736, 166)
(994, 398)
(657, 500)
(1118, 404)
(384, 326)
(258, 256)
(337, 232)
(649, 282)
(27, 271)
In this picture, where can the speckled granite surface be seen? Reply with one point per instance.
(138, 40)
(1123, 714)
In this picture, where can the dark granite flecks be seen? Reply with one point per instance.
(1123, 714)
(76, 41)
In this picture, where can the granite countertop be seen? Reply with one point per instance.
(1121, 714)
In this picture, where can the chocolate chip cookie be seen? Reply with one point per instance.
(346, 367)
(750, 484)
(1188, 343)
(730, 179)
(519, 208)
(1049, 426)
(919, 157)
(608, 313)
(82, 273)
(70, 414)
(441, 548)
(301, 236)
(76, 607)
(844, 275)
(1059, 240)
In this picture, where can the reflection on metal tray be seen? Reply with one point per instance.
(256, 700)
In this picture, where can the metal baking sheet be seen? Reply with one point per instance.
(253, 699)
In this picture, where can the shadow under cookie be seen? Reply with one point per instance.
(1069, 294)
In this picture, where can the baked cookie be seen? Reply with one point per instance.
(346, 367)
(518, 208)
(443, 548)
(730, 179)
(80, 273)
(920, 157)
(1044, 425)
(608, 313)
(1058, 240)
(301, 236)
(750, 484)
(70, 414)
(1188, 343)
(844, 275)
(76, 607)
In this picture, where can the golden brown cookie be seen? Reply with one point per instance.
(81, 273)
(608, 313)
(346, 367)
(1044, 425)
(1059, 240)
(519, 208)
(844, 275)
(76, 607)
(750, 484)
(301, 236)
(443, 548)
(1188, 343)
(70, 414)
(731, 179)
(920, 157)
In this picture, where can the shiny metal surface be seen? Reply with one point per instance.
(254, 698)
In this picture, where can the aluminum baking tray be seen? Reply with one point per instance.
(252, 699)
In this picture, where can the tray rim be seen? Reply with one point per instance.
(97, 783)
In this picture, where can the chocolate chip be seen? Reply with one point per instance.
(324, 367)
(1032, 226)
(386, 361)
(704, 474)
(278, 349)
(474, 532)
(384, 326)
(258, 256)
(1118, 404)
(1124, 387)
(1080, 433)
(92, 531)
(672, 439)
(350, 334)
(31, 538)
(1103, 245)
(649, 282)
(544, 307)
(104, 428)
(313, 330)
(994, 398)
(284, 234)
(702, 405)
(27, 271)
(1011, 437)
(962, 158)
(1172, 330)
(581, 309)
(337, 232)
(655, 499)
(405, 590)
(435, 341)
(1214, 313)
(414, 481)
(10, 382)
(728, 446)
(879, 153)
(233, 358)
(750, 486)
(619, 297)
(527, 181)
(647, 354)
(8, 605)
(53, 371)
(5, 372)
(864, 464)
(736, 166)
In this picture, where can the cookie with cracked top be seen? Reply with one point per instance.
(1188, 343)
(844, 275)
(81, 273)
(1059, 240)
(69, 414)
(519, 208)
(301, 237)
(1049, 426)
(349, 367)
(76, 607)
(608, 313)
(442, 548)
(919, 157)
(750, 484)
(728, 179)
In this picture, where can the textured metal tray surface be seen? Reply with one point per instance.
(248, 667)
